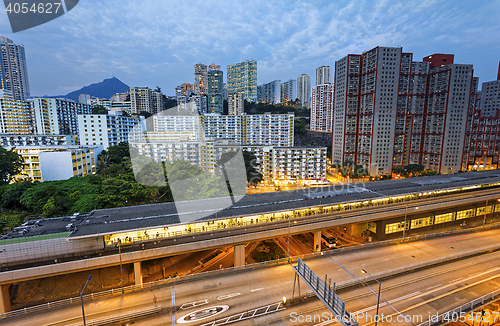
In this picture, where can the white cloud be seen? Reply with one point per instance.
(153, 42)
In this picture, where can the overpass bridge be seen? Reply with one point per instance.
(422, 278)
(390, 207)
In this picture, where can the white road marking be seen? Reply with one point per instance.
(435, 286)
(222, 297)
(458, 279)
(475, 274)
(194, 304)
(173, 305)
(390, 301)
(288, 282)
(256, 290)
(202, 314)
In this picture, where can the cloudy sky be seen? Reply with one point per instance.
(157, 42)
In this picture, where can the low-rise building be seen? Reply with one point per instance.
(49, 163)
(9, 140)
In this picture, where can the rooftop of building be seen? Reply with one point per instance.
(113, 220)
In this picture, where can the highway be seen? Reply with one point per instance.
(421, 292)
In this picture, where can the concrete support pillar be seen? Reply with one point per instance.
(138, 272)
(317, 241)
(4, 299)
(239, 255)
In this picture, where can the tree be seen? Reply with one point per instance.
(299, 128)
(254, 177)
(118, 152)
(99, 109)
(413, 170)
(145, 114)
(399, 169)
(188, 181)
(10, 194)
(11, 164)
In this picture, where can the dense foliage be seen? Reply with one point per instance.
(10, 165)
(261, 108)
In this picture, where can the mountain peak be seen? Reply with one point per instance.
(105, 89)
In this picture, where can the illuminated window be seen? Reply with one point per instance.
(395, 227)
(465, 214)
(444, 218)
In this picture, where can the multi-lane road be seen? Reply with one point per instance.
(416, 293)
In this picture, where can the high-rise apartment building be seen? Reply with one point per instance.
(56, 116)
(269, 93)
(322, 108)
(215, 90)
(304, 90)
(186, 87)
(13, 69)
(84, 99)
(179, 91)
(105, 129)
(323, 75)
(15, 115)
(213, 66)
(289, 91)
(200, 79)
(482, 140)
(242, 78)
(391, 111)
(235, 104)
(143, 99)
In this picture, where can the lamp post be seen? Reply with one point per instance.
(379, 288)
(404, 226)
(484, 219)
(81, 298)
(121, 268)
(288, 242)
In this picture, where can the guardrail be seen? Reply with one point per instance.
(272, 263)
(459, 312)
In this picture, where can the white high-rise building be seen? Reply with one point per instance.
(235, 104)
(323, 75)
(269, 93)
(200, 79)
(322, 108)
(13, 69)
(143, 99)
(304, 90)
(105, 129)
(15, 115)
(289, 91)
(56, 116)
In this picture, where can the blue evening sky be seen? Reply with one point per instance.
(157, 42)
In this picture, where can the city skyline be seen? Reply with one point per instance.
(93, 41)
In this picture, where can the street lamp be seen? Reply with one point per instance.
(404, 226)
(288, 242)
(378, 299)
(121, 268)
(484, 220)
(81, 298)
